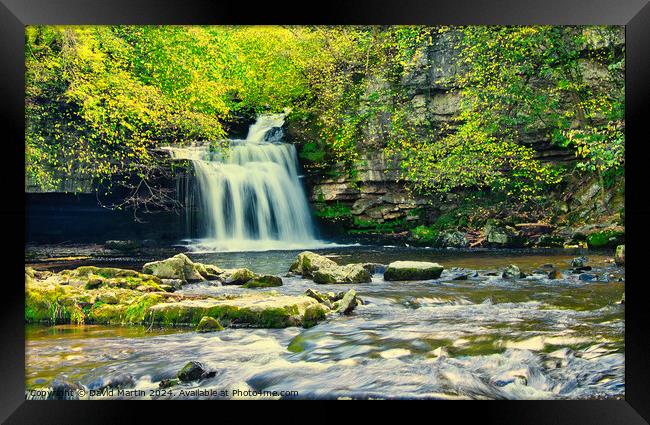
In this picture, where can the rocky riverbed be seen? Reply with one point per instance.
(308, 325)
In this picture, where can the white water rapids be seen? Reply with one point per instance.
(251, 198)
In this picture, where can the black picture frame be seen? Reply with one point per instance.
(634, 14)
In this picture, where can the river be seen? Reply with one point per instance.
(481, 338)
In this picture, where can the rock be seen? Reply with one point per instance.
(51, 301)
(193, 371)
(578, 270)
(175, 284)
(530, 229)
(92, 277)
(453, 239)
(208, 324)
(177, 267)
(555, 274)
(576, 245)
(265, 281)
(462, 276)
(587, 277)
(496, 235)
(512, 272)
(314, 314)
(412, 270)
(347, 304)
(308, 262)
(168, 383)
(350, 273)
(619, 257)
(122, 380)
(126, 246)
(212, 272)
(579, 262)
(320, 297)
(259, 310)
(373, 268)
(239, 276)
(551, 241)
(62, 390)
(107, 298)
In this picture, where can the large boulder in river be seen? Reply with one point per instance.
(208, 324)
(177, 267)
(239, 276)
(350, 273)
(308, 262)
(413, 270)
(265, 281)
(512, 272)
(619, 257)
(347, 304)
(323, 270)
(193, 371)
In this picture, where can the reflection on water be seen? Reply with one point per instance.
(484, 337)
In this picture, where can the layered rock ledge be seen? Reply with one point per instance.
(91, 295)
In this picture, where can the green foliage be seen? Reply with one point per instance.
(425, 233)
(606, 238)
(373, 227)
(516, 81)
(100, 99)
(312, 152)
(335, 211)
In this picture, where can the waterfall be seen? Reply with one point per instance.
(250, 196)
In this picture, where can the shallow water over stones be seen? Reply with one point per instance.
(483, 337)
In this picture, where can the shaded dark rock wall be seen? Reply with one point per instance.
(61, 218)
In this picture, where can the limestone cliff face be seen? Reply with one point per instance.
(375, 192)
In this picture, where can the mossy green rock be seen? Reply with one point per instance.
(314, 314)
(512, 272)
(177, 267)
(239, 276)
(412, 270)
(619, 257)
(320, 297)
(347, 304)
(208, 324)
(53, 300)
(263, 310)
(192, 371)
(308, 262)
(265, 281)
(350, 273)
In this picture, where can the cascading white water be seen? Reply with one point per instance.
(251, 197)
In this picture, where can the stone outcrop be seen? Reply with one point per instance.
(177, 267)
(91, 295)
(375, 195)
(512, 272)
(322, 270)
(208, 324)
(412, 270)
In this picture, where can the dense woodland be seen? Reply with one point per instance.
(100, 99)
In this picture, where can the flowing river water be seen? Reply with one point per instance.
(483, 337)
